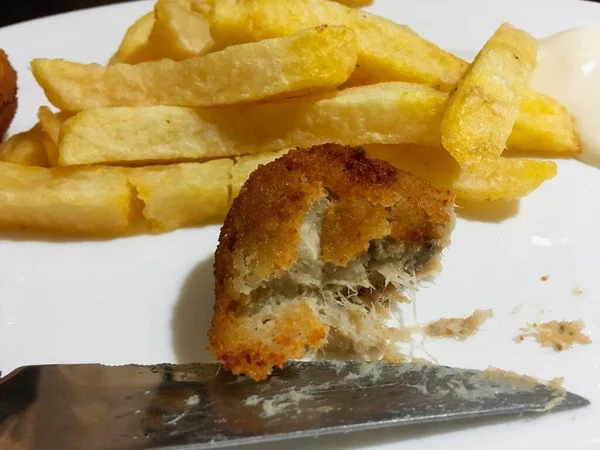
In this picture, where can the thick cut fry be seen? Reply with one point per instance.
(245, 165)
(312, 60)
(481, 113)
(26, 148)
(510, 179)
(179, 33)
(387, 113)
(51, 123)
(387, 51)
(355, 3)
(202, 6)
(183, 195)
(87, 201)
(135, 47)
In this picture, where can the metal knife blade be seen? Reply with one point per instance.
(199, 406)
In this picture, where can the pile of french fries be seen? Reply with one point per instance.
(201, 92)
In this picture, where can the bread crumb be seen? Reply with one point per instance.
(560, 335)
(193, 400)
(577, 291)
(458, 328)
(557, 383)
(516, 309)
(518, 380)
(545, 278)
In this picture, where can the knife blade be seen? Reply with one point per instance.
(200, 406)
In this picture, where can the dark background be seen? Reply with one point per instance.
(13, 11)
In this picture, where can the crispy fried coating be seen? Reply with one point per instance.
(308, 213)
(8, 93)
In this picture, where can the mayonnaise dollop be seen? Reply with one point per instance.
(569, 70)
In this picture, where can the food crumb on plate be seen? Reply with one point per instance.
(577, 291)
(516, 309)
(545, 277)
(559, 335)
(458, 328)
(557, 383)
(193, 400)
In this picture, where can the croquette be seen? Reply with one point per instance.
(315, 250)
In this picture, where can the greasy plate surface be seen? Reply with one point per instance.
(148, 299)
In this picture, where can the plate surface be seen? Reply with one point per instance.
(148, 299)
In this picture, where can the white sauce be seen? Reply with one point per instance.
(569, 70)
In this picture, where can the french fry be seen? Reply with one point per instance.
(25, 148)
(386, 113)
(387, 51)
(87, 201)
(355, 3)
(544, 125)
(510, 179)
(181, 195)
(311, 60)
(51, 123)
(202, 7)
(135, 47)
(481, 113)
(179, 32)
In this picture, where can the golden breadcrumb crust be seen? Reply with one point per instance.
(8, 93)
(368, 199)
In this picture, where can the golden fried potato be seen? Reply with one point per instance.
(25, 148)
(51, 123)
(386, 113)
(312, 60)
(394, 113)
(181, 195)
(179, 33)
(510, 179)
(544, 125)
(387, 51)
(355, 3)
(135, 47)
(202, 6)
(88, 201)
(481, 113)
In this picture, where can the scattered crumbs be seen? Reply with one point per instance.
(545, 278)
(193, 400)
(280, 402)
(559, 335)
(337, 364)
(240, 379)
(175, 420)
(324, 409)
(516, 309)
(522, 381)
(394, 358)
(253, 400)
(458, 328)
(270, 408)
(557, 383)
(367, 369)
(577, 291)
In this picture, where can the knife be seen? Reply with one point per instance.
(200, 406)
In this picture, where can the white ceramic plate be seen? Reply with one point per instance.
(148, 299)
